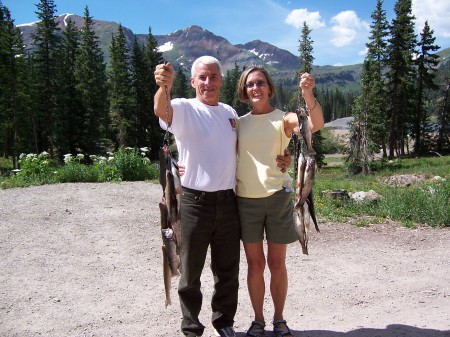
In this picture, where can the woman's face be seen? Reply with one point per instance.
(257, 88)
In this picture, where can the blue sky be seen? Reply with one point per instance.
(339, 28)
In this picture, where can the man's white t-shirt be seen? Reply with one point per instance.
(206, 140)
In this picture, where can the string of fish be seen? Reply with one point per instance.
(169, 207)
(304, 168)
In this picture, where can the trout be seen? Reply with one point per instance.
(304, 212)
(312, 211)
(299, 221)
(301, 172)
(173, 202)
(306, 132)
(167, 275)
(169, 207)
(169, 179)
(307, 183)
(168, 238)
(163, 155)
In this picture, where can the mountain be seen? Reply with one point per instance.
(103, 29)
(185, 45)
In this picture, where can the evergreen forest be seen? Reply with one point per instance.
(63, 98)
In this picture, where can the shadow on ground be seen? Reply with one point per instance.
(393, 330)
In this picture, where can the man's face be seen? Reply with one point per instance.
(207, 83)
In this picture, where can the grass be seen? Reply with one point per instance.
(426, 202)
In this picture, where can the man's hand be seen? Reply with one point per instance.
(164, 75)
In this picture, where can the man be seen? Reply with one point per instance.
(205, 133)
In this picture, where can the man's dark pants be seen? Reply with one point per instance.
(209, 219)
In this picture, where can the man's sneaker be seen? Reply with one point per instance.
(225, 332)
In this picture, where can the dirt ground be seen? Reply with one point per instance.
(85, 260)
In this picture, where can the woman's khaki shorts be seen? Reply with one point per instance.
(272, 215)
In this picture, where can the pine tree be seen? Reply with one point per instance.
(180, 85)
(426, 62)
(228, 93)
(13, 98)
(68, 124)
(46, 41)
(281, 98)
(377, 60)
(401, 77)
(153, 57)
(91, 84)
(228, 89)
(6, 76)
(306, 60)
(305, 49)
(443, 121)
(140, 77)
(240, 107)
(359, 155)
(367, 130)
(119, 83)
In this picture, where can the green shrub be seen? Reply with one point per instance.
(331, 143)
(132, 165)
(106, 171)
(77, 173)
(6, 166)
(35, 164)
(125, 165)
(35, 169)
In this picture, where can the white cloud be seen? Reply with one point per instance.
(347, 27)
(436, 12)
(363, 52)
(298, 16)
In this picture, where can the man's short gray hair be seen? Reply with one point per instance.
(206, 60)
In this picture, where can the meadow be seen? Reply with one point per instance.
(425, 202)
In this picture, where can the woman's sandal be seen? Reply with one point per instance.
(281, 329)
(256, 329)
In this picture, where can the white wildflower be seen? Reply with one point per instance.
(67, 158)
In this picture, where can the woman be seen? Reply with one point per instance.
(264, 198)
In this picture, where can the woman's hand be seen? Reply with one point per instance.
(284, 161)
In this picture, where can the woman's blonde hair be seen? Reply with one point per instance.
(242, 90)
